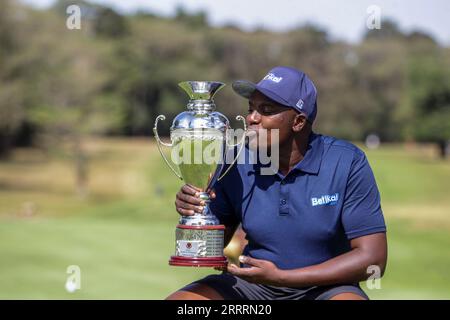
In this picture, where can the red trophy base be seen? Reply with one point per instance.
(196, 261)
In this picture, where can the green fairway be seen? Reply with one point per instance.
(117, 259)
(122, 235)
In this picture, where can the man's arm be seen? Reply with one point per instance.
(350, 267)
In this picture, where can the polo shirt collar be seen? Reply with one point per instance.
(313, 157)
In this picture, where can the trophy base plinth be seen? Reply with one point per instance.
(198, 261)
(199, 246)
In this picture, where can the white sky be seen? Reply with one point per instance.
(342, 19)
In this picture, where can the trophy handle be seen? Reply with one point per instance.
(159, 142)
(234, 145)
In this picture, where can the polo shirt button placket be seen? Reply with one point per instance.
(284, 194)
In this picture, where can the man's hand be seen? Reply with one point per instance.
(260, 271)
(187, 200)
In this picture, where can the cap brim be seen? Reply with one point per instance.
(244, 88)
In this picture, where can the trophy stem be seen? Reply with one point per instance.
(205, 197)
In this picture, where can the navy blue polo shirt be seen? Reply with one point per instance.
(311, 214)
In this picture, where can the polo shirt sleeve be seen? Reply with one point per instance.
(221, 206)
(361, 213)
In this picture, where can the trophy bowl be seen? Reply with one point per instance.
(198, 148)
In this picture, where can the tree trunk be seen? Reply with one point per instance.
(81, 167)
(5, 146)
(444, 149)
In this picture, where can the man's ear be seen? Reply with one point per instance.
(299, 123)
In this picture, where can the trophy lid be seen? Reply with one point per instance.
(201, 90)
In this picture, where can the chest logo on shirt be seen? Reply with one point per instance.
(326, 199)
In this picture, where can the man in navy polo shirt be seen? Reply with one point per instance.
(313, 227)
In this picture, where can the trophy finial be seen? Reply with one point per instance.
(201, 90)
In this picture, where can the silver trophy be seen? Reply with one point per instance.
(200, 139)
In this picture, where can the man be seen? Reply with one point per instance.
(315, 226)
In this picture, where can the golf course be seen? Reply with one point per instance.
(121, 234)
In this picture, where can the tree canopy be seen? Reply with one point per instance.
(117, 73)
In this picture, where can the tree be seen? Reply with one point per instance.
(429, 90)
(192, 20)
(389, 30)
(109, 23)
(73, 100)
(11, 104)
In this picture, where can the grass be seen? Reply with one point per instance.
(117, 259)
(411, 175)
(122, 235)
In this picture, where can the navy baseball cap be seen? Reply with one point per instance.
(287, 86)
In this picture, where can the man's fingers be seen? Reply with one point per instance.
(185, 212)
(190, 199)
(241, 272)
(251, 261)
(187, 201)
(188, 206)
(191, 190)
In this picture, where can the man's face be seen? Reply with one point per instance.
(264, 113)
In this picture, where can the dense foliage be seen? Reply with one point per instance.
(119, 71)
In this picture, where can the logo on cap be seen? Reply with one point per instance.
(272, 77)
(299, 104)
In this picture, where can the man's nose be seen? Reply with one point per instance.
(253, 118)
